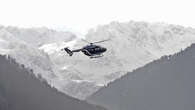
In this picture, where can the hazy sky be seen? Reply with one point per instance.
(80, 15)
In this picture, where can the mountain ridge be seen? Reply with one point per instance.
(166, 83)
(21, 90)
(132, 45)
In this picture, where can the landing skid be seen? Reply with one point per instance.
(96, 56)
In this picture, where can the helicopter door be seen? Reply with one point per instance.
(97, 50)
(92, 51)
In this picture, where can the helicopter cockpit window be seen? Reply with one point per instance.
(96, 49)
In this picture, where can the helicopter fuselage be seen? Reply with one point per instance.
(92, 50)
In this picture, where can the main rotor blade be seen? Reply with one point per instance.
(102, 41)
(85, 41)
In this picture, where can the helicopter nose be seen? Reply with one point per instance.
(104, 49)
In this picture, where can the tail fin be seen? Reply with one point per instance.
(68, 51)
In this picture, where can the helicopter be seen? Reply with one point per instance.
(91, 50)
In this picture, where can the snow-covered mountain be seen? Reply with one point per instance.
(132, 45)
(23, 45)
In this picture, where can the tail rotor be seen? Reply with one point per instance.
(68, 51)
